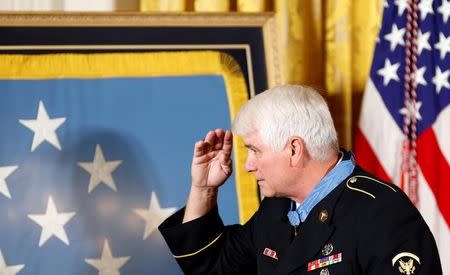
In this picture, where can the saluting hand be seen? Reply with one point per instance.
(211, 163)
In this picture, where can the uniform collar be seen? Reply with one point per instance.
(316, 229)
(340, 171)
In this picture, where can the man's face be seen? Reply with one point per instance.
(269, 167)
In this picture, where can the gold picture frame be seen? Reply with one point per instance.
(250, 38)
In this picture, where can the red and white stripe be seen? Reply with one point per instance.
(378, 149)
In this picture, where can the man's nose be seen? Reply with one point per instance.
(249, 164)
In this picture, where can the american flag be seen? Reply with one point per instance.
(90, 167)
(403, 134)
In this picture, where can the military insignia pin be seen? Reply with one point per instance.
(270, 253)
(327, 249)
(324, 272)
(326, 261)
(406, 262)
(323, 215)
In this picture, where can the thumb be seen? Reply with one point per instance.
(226, 164)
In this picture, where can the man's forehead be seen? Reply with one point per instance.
(252, 139)
(250, 136)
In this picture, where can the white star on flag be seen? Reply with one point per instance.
(419, 76)
(401, 6)
(154, 215)
(5, 171)
(441, 79)
(52, 223)
(422, 41)
(412, 109)
(389, 72)
(443, 45)
(44, 128)
(107, 264)
(100, 170)
(444, 9)
(425, 7)
(8, 270)
(395, 37)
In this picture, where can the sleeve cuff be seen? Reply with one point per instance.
(188, 239)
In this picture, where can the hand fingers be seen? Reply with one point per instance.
(202, 147)
(198, 148)
(210, 137)
(225, 156)
(215, 140)
(227, 143)
(219, 139)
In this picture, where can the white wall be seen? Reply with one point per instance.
(69, 5)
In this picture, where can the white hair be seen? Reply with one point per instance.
(285, 111)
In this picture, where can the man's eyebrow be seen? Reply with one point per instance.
(250, 146)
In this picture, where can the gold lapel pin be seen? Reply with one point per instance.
(323, 215)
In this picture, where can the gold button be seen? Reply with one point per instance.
(323, 215)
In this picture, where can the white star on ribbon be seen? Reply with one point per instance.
(444, 9)
(412, 109)
(100, 170)
(443, 45)
(402, 5)
(422, 41)
(8, 270)
(441, 79)
(44, 128)
(154, 215)
(107, 264)
(425, 7)
(419, 76)
(5, 171)
(52, 223)
(389, 72)
(395, 37)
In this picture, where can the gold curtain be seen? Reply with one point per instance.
(251, 5)
(350, 31)
(212, 5)
(327, 44)
(163, 6)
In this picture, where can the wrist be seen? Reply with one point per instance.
(204, 195)
(200, 201)
(205, 190)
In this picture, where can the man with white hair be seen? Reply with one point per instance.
(322, 214)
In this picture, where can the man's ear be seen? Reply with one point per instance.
(297, 150)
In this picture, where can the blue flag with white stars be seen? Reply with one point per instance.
(90, 167)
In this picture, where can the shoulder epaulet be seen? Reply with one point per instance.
(352, 183)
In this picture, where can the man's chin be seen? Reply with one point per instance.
(265, 192)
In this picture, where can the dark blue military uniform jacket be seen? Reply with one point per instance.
(364, 226)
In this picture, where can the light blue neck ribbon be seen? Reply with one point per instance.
(327, 184)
